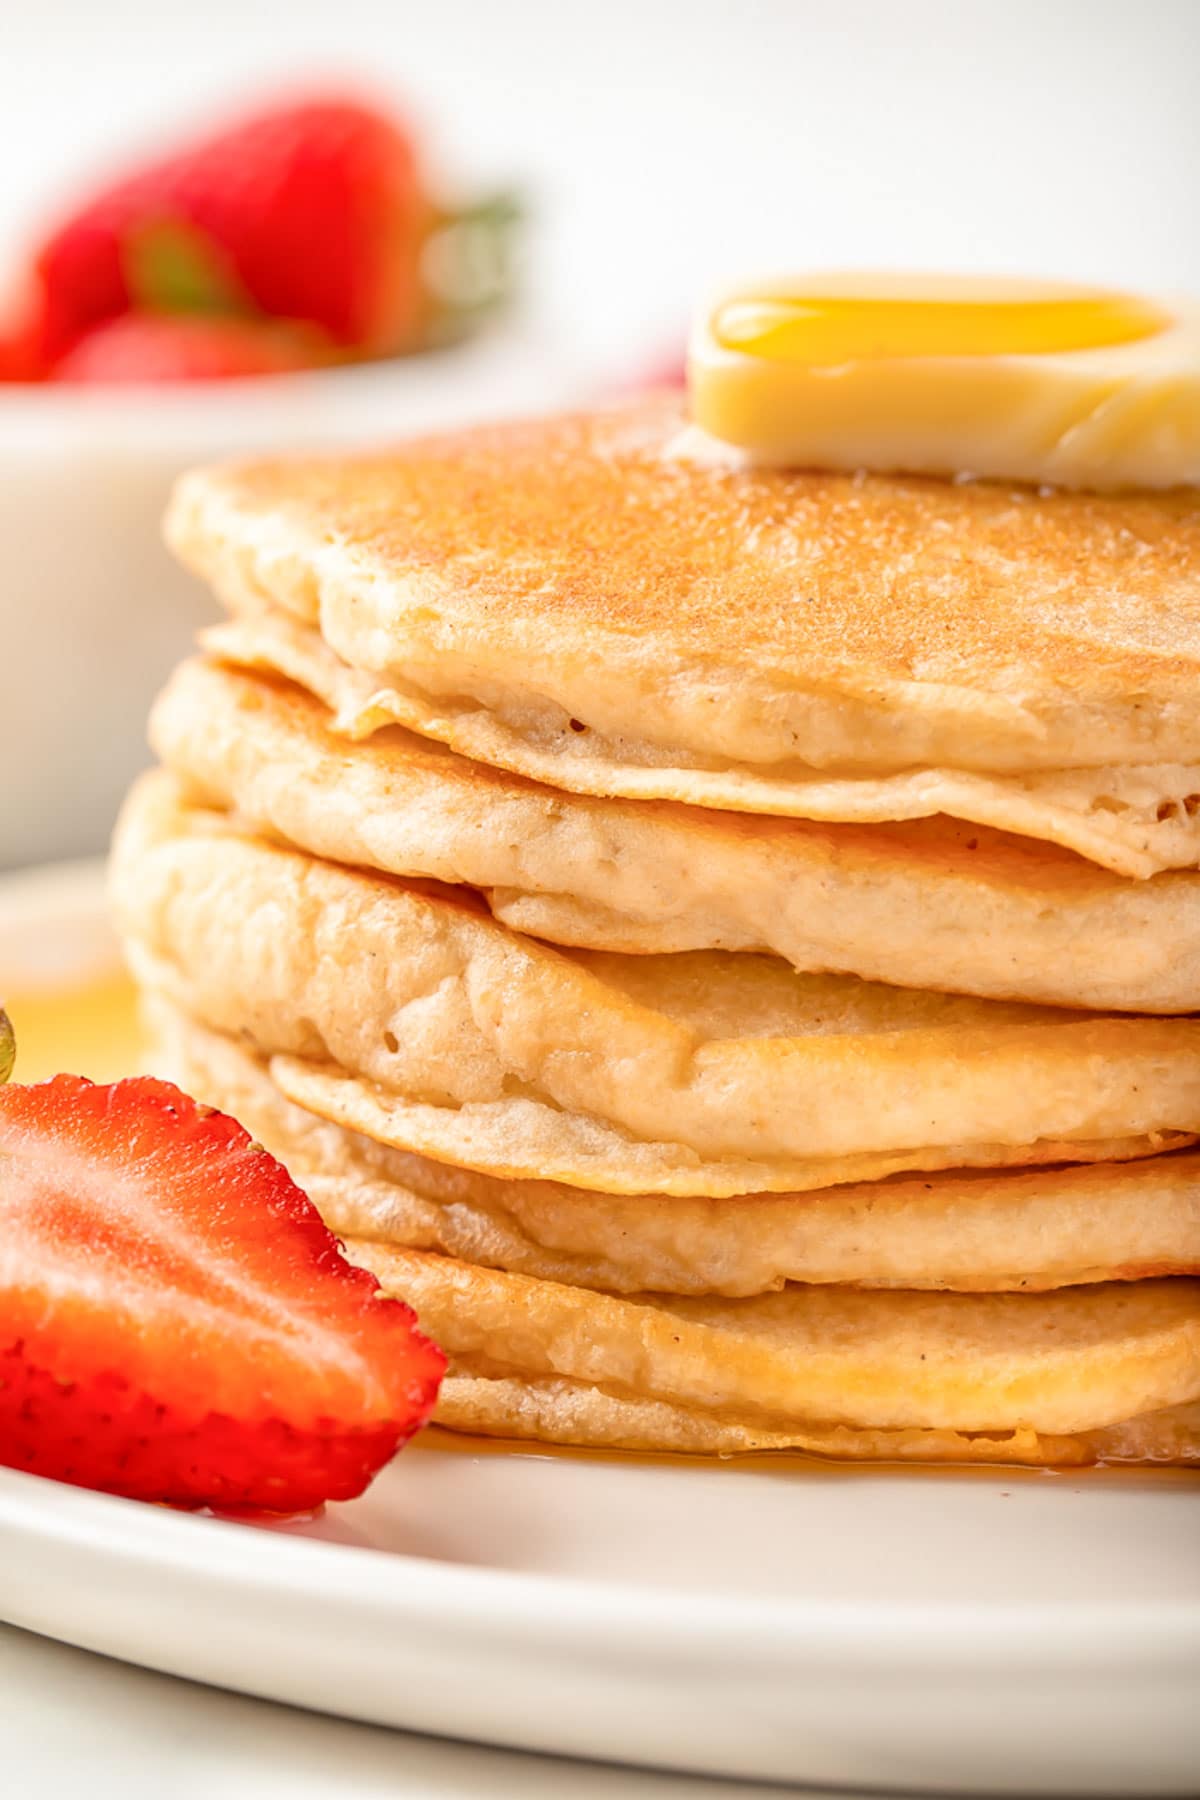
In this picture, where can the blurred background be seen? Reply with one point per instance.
(659, 146)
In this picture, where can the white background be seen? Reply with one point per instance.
(667, 143)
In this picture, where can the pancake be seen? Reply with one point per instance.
(1025, 1231)
(406, 1011)
(575, 595)
(815, 1359)
(929, 904)
(1133, 820)
(524, 1141)
(550, 1410)
(757, 616)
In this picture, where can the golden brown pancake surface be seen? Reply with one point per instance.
(854, 621)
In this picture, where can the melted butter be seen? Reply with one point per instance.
(952, 376)
(803, 1464)
(829, 329)
(89, 1028)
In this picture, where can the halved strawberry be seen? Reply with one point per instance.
(176, 1323)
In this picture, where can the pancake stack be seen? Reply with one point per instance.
(721, 944)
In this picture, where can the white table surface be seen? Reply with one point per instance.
(74, 1723)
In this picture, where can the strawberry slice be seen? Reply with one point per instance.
(176, 1323)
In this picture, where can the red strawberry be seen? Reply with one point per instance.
(176, 1323)
(21, 338)
(139, 347)
(19, 360)
(312, 210)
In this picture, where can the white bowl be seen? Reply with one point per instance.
(94, 612)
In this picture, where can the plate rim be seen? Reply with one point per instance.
(262, 1560)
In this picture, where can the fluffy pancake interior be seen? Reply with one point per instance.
(1062, 1363)
(929, 903)
(1026, 1230)
(554, 1410)
(726, 1072)
(1099, 1372)
(1133, 819)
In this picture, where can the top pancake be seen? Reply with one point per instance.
(586, 575)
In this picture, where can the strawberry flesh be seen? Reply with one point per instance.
(176, 1323)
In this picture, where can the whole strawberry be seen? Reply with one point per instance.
(176, 1323)
(314, 210)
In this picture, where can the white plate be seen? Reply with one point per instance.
(1000, 1632)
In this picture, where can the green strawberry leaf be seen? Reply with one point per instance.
(472, 261)
(171, 267)
(8, 1047)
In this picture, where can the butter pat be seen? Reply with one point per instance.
(941, 375)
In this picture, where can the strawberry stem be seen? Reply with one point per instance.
(471, 261)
